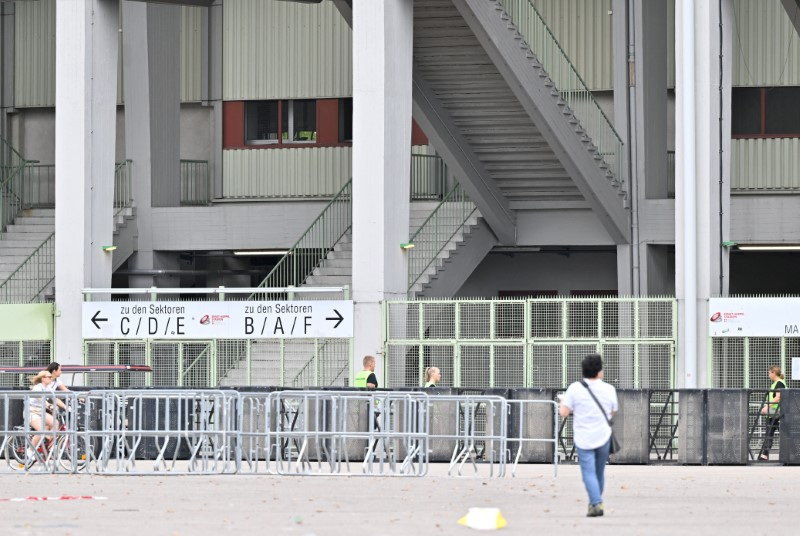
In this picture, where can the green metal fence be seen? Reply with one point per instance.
(195, 183)
(743, 362)
(34, 276)
(435, 233)
(225, 362)
(569, 83)
(313, 246)
(531, 343)
(23, 354)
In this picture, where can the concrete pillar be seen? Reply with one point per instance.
(86, 98)
(702, 185)
(6, 63)
(151, 55)
(212, 87)
(382, 66)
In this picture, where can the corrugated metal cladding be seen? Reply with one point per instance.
(274, 50)
(277, 173)
(766, 47)
(765, 164)
(191, 53)
(584, 29)
(35, 54)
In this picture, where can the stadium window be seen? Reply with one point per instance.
(767, 112)
(345, 120)
(279, 122)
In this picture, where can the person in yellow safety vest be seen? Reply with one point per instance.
(772, 410)
(432, 376)
(367, 378)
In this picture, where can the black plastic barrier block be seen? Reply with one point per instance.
(789, 427)
(531, 421)
(632, 427)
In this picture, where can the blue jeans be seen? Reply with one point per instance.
(593, 468)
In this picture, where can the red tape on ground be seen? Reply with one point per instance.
(62, 498)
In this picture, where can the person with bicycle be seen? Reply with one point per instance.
(39, 408)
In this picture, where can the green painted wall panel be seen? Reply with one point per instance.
(274, 50)
(35, 53)
(765, 164)
(26, 322)
(278, 173)
(191, 53)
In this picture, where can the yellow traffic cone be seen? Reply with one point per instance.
(483, 519)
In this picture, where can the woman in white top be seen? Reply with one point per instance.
(38, 405)
(54, 369)
(592, 434)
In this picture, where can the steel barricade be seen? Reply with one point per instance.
(519, 411)
(477, 431)
(334, 433)
(40, 451)
(180, 432)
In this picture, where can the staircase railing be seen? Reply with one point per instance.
(195, 183)
(313, 246)
(38, 185)
(568, 82)
(123, 194)
(436, 231)
(11, 168)
(27, 283)
(428, 176)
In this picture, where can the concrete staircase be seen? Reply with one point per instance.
(32, 227)
(337, 268)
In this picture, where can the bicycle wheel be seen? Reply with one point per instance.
(64, 454)
(16, 453)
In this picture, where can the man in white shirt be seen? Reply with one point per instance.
(592, 434)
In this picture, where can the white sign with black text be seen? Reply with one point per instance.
(754, 317)
(217, 320)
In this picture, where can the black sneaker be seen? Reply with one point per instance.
(595, 510)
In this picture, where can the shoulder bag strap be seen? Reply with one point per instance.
(583, 382)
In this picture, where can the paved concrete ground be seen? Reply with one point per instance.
(639, 500)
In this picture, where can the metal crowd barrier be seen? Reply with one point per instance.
(184, 431)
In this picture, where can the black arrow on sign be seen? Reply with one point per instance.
(338, 318)
(95, 320)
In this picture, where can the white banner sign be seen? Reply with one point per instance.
(754, 317)
(217, 320)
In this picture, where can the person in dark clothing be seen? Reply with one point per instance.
(772, 410)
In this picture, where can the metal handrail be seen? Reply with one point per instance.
(195, 183)
(11, 167)
(38, 185)
(568, 82)
(23, 285)
(428, 176)
(436, 231)
(123, 197)
(313, 246)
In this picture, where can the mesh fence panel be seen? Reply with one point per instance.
(131, 353)
(439, 320)
(443, 357)
(619, 365)
(11, 356)
(334, 362)
(546, 319)
(509, 366)
(764, 352)
(509, 320)
(403, 320)
(232, 355)
(546, 365)
(265, 362)
(474, 320)
(575, 355)
(656, 319)
(164, 361)
(475, 363)
(100, 353)
(727, 362)
(792, 350)
(656, 365)
(583, 317)
(197, 360)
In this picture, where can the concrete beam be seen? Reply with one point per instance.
(463, 162)
(792, 8)
(511, 61)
